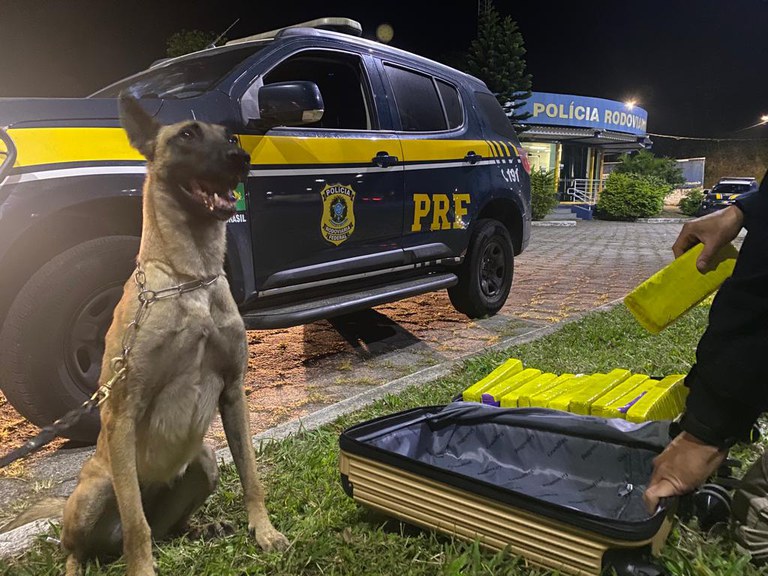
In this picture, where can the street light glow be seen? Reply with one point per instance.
(385, 33)
(764, 118)
(630, 104)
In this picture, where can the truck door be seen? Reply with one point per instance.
(325, 199)
(446, 160)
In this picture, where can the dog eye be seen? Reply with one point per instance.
(187, 134)
(233, 140)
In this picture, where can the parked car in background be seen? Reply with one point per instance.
(725, 193)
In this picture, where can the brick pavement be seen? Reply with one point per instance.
(565, 271)
(293, 372)
(570, 270)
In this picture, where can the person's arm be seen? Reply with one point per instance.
(713, 230)
(696, 453)
(683, 466)
(753, 203)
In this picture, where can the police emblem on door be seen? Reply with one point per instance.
(338, 222)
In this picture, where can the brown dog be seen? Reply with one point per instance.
(151, 470)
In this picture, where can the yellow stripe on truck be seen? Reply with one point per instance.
(435, 150)
(313, 150)
(277, 150)
(510, 149)
(36, 146)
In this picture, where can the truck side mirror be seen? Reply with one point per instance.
(289, 104)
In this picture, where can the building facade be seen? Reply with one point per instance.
(575, 135)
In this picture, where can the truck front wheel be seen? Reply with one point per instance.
(485, 276)
(52, 341)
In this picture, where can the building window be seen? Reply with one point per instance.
(541, 155)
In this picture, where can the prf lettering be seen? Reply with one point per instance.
(439, 206)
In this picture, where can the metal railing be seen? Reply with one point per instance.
(583, 190)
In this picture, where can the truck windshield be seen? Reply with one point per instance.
(732, 188)
(183, 78)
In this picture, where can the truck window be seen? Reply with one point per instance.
(452, 104)
(418, 103)
(342, 83)
(733, 188)
(182, 78)
(494, 116)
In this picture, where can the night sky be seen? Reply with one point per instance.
(699, 67)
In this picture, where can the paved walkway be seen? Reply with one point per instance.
(565, 271)
(294, 372)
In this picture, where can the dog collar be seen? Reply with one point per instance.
(147, 296)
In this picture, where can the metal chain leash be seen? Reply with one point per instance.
(119, 365)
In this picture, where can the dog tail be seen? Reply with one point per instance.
(51, 508)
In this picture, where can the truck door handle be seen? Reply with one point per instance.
(384, 160)
(472, 158)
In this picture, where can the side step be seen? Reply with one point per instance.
(329, 306)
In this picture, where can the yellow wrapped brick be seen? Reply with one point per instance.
(600, 405)
(678, 287)
(494, 394)
(475, 392)
(537, 386)
(582, 401)
(665, 401)
(510, 399)
(619, 407)
(562, 401)
(571, 386)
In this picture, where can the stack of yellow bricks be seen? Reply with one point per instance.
(617, 394)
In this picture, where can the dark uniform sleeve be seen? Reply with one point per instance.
(729, 382)
(754, 205)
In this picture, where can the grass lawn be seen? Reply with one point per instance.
(332, 535)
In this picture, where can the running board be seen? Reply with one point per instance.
(329, 306)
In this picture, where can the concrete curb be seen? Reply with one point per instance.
(552, 223)
(662, 220)
(17, 541)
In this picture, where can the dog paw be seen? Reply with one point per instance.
(270, 539)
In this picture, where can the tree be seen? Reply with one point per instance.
(645, 163)
(496, 56)
(186, 41)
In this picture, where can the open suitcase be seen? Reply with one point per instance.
(562, 490)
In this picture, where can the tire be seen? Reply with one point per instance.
(485, 276)
(52, 341)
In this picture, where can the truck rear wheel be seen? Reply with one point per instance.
(52, 341)
(485, 276)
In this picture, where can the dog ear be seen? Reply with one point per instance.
(142, 129)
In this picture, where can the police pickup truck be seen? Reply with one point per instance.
(377, 175)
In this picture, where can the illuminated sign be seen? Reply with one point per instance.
(584, 112)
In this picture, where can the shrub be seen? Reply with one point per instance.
(543, 195)
(632, 196)
(645, 163)
(690, 203)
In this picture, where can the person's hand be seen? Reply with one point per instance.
(683, 466)
(713, 230)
